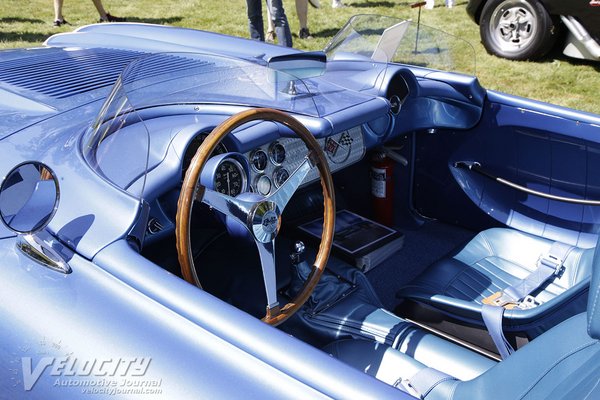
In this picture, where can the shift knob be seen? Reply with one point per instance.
(297, 252)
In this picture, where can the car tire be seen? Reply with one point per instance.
(517, 29)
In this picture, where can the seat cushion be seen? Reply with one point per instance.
(493, 260)
(561, 363)
(546, 368)
(416, 350)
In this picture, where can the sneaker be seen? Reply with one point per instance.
(315, 3)
(337, 4)
(270, 38)
(112, 18)
(304, 34)
(60, 22)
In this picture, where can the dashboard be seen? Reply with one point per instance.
(261, 169)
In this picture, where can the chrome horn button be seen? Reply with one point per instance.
(264, 221)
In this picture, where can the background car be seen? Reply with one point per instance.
(529, 29)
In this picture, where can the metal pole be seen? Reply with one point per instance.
(419, 6)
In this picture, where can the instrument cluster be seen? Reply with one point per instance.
(264, 169)
(272, 163)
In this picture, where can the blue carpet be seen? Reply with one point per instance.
(422, 247)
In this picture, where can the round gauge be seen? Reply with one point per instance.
(192, 148)
(280, 176)
(263, 185)
(230, 178)
(277, 153)
(258, 160)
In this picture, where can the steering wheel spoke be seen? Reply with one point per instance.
(266, 252)
(282, 196)
(230, 206)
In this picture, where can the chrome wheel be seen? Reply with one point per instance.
(517, 29)
(513, 26)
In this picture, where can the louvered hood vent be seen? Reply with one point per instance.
(71, 72)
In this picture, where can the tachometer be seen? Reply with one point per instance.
(230, 178)
(277, 153)
(193, 148)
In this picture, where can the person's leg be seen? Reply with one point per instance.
(58, 4)
(282, 28)
(101, 10)
(302, 11)
(255, 20)
(270, 27)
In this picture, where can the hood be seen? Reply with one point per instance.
(36, 84)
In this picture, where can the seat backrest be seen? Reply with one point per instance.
(593, 310)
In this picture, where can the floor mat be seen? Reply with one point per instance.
(422, 247)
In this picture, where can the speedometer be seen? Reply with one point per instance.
(230, 178)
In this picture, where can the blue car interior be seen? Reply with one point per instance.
(493, 261)
(495, 289)
(560, 363)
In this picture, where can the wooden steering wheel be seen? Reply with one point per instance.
(262, 218)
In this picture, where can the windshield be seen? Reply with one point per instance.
(153, 83)
(388, 39)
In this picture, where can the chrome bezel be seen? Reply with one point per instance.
(240, 168)
(257, 182)
(251, 160)
(270, 153)
(273, 177)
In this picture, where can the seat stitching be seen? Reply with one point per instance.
(487, 243)
(466, 267)
(468, 275)
(577, 265)
(451, 282)
(497, 276)
(465, 294)
(593, 308)
(469, 286)
(564, 357)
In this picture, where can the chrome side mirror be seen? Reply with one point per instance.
(29, 198)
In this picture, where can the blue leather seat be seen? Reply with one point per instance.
(492, 261)
(563, 362)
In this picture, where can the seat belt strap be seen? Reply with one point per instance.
(492, 317)
(548, 266)
(424, 381)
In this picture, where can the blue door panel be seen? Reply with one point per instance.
(538, 146)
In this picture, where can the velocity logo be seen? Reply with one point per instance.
(92, 369)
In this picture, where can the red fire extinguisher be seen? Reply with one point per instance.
(382, 188)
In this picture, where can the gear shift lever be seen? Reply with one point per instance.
(300, 267)
(297, 253)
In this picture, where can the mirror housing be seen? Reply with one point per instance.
(300, 65)
(28, 198)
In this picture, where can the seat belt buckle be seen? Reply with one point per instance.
(553, 262)
(528, 302)
(500, 299)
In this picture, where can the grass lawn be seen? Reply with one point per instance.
(557, 79)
